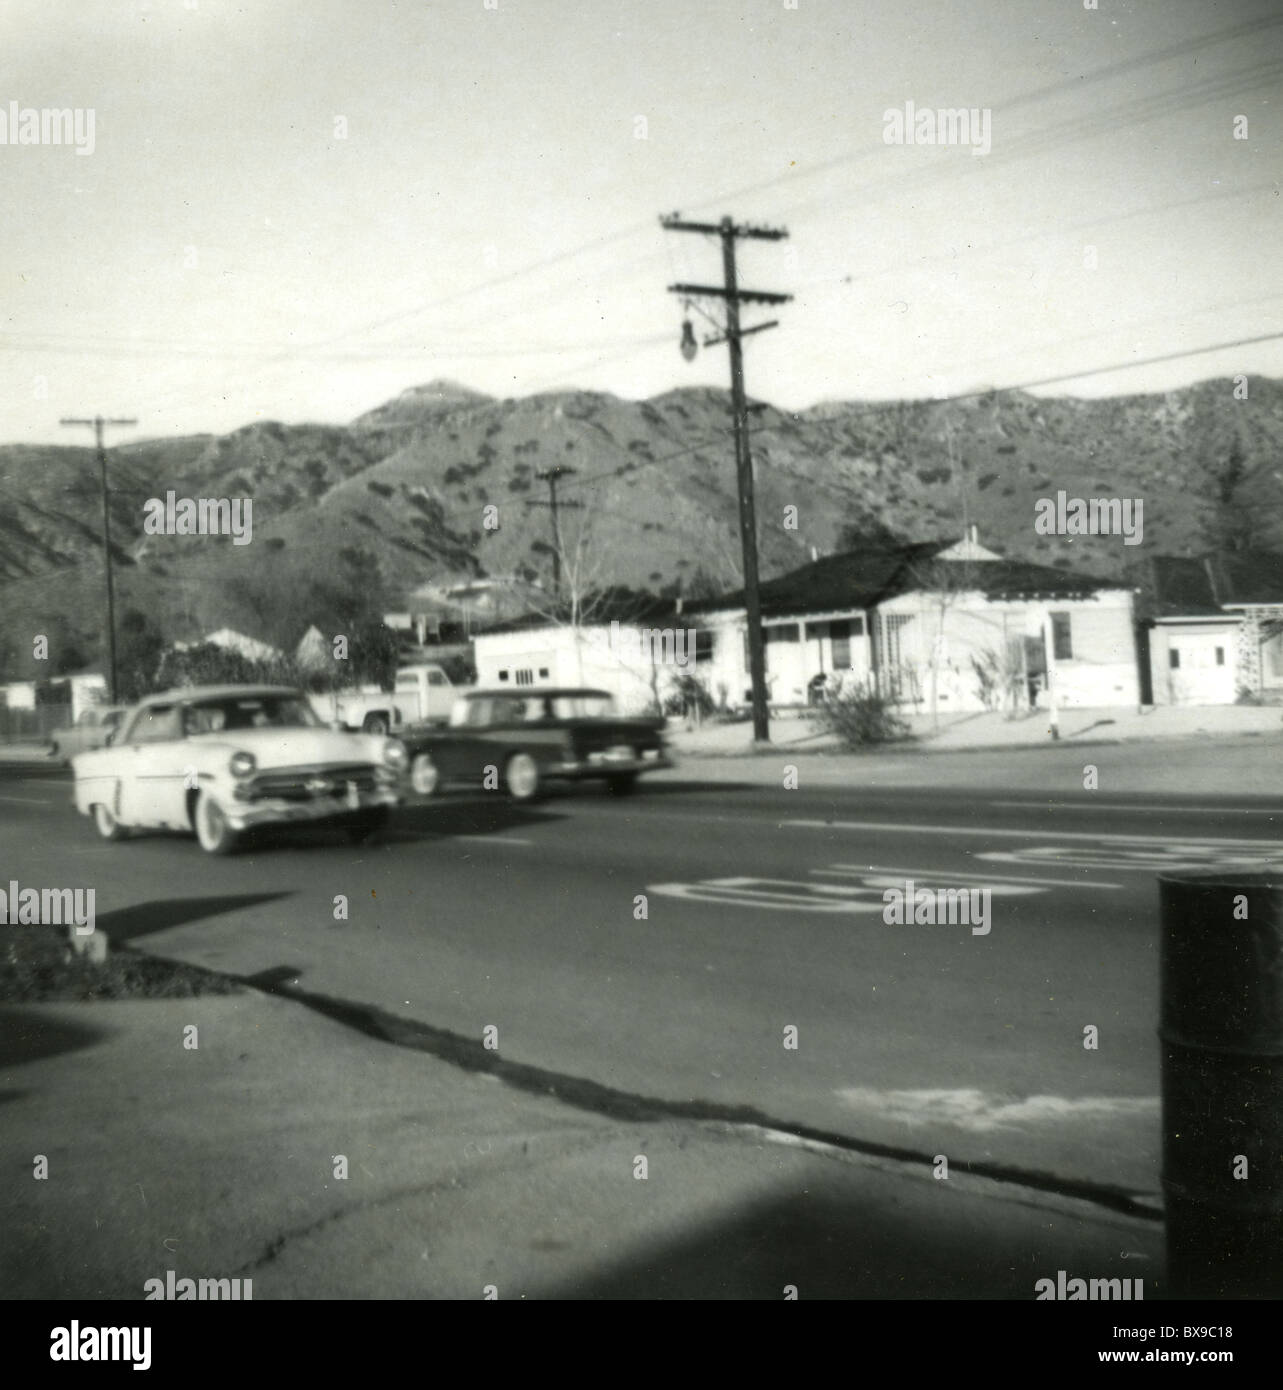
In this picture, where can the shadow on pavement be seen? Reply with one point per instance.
(126, 923)
(936, 1242)
(29, 1036)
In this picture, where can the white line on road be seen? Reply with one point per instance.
(1152, 810)
(1041, 834)
(859, 870)
(490, 839)
(30, 800)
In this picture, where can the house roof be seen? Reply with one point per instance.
(1187, 586)
(622, 606)
(861, 579)
(1248, 577)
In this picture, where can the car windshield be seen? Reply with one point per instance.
(249, 712)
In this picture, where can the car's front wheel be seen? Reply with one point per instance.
(108, 826)
(376, 724)
(622, 783)
(425, 775)
(521, 777)
(213, 832)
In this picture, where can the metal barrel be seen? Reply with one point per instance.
(1222, 1041)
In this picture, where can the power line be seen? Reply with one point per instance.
(1103, 371)
(1109, 120)
(1060, 230)
(1187, 46)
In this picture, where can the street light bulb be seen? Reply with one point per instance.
(689, 346)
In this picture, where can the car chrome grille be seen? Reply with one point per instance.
(310, 783)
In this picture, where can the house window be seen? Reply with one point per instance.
(503, 675)
(543, 673)
(1174, 659)
(841, 635)
(1220, 656)
(1061, 640)
(703, 644)
(895, 624)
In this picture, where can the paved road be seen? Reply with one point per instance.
(763, 912)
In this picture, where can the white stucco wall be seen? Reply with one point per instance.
(594, 656)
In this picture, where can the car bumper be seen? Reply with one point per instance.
(243, 815)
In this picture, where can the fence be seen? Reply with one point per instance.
(32, 725)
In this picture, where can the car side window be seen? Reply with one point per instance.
(158, 724)
(508, 712)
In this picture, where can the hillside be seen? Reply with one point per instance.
(408, 482)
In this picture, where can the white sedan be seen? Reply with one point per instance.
(221, 760)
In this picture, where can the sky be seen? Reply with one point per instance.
(296, 209)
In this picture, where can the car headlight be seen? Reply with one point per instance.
(242, 764)
(394, 754)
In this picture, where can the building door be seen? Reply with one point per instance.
(1199, 670)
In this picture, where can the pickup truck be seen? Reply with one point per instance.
(423, 694)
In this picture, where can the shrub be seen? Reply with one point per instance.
(860, 715)
(689, 695)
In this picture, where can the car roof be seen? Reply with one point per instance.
(188, 693)
(523, 692)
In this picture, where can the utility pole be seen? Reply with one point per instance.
(550, 476)
(97, 424)
(730, 292)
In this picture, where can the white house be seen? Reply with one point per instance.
(639, 662)
(1214, 628)
(934, 625)
(84, 690)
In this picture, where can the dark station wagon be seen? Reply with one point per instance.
(521, 738)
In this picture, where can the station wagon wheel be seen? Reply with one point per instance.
(108, 826)
(212, 829)
(425, 775)
(375, 724)
(521, 777)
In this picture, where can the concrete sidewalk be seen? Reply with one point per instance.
(220, 1162)
(795, 730)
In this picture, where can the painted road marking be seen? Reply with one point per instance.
(797, 895)
(858, 870)
(30, 800)
(1216, 841)
(1137, 860)
(1151, 810)
(782, 894)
